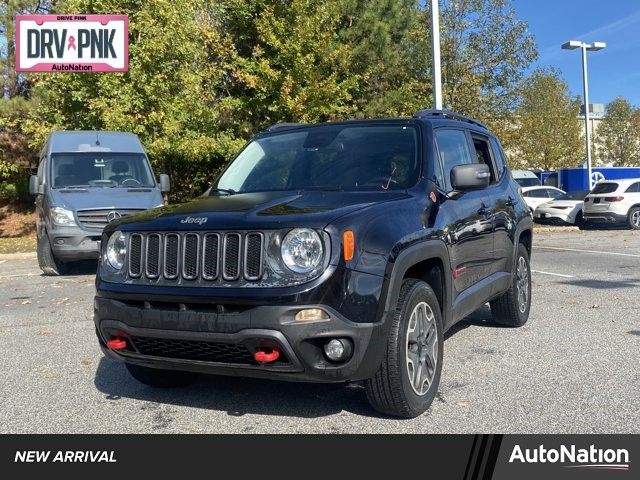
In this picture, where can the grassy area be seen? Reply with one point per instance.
(18, 244)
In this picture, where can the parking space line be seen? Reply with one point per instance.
(554, 274)
(599, 252)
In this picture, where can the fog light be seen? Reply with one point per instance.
(311, 314)
(338, 349)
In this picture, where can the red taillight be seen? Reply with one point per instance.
(613, 199)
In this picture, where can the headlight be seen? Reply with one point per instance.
(302, 250)
(116, 250)
(62, 216)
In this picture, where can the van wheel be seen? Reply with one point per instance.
(48, 263)
(159, 378)
(512, 308)
(633, 218)
(407, 381)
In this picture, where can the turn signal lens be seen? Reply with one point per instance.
(348, 245)
(311, 314)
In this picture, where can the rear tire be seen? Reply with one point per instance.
(47, 261)
(633, 218)
(158, 378)
(401, 388)
(512, 308)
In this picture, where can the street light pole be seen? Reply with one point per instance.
(435, 48)
(584, 47)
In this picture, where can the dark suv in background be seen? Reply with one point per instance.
(328, 253)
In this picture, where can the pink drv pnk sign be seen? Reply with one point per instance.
(72, 43)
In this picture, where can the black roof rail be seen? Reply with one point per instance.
(429, 112)
(278, 126)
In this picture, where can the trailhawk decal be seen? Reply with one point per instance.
(72, 43)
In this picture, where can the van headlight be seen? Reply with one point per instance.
(62, 216)
(116, 250)
(302, 250)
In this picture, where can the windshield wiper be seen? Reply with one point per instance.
(228, 191)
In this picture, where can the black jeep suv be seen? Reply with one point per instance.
(327, 253)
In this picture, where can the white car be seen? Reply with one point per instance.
(564, 210)
(614, 202)
(526, 178)
(536, 196)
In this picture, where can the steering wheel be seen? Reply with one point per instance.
(132, 180)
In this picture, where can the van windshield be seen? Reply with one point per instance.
(100, 169)
(333, 157)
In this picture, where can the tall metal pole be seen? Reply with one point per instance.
(435, 47)
(587, 135)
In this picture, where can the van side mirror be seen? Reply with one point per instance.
(33, 185)
(165, 183)
(469, 177)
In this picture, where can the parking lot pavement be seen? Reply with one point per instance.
(572, 368)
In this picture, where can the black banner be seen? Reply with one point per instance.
(465, 457)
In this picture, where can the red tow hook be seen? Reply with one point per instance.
(263, 356)
(117, 343)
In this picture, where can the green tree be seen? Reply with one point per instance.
(618, 136)
(547, 132)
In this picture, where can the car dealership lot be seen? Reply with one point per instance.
(572, 368)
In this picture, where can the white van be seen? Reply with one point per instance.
(526, 178)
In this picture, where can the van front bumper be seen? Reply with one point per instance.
(74, 243)
(200, 339)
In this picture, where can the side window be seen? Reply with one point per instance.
(498, 157)
(41, 171)
(483, 154)
(633, 188)
(554, 193)
(454, 150)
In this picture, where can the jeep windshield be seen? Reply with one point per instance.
(333, 157)
(100, 169)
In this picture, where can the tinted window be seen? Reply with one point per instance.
(498, 157)
(483, 154)
(605, 187)
(528, 182)
(538, 193)
(454, 150)
(344, 157)
(573, 196)
(100, 169)
(634, 188)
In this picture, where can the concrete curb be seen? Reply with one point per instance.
(17, 256)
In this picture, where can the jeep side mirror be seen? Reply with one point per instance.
(33, 185)
(469, 177)
(165, 183)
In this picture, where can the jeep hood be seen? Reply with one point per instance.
(263, 210)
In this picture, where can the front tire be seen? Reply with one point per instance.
(158, 378)
(408, 378)
(47, 261)
(512, 308)
(633, 218)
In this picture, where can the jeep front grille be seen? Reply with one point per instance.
(192, 256)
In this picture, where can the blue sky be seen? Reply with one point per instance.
(614, 71)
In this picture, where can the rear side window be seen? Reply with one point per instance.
(605, 187)
(634, 188)
(454, 150)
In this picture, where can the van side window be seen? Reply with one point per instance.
(454, 150)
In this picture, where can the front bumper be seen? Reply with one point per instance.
(74, 243)
(160, 336)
